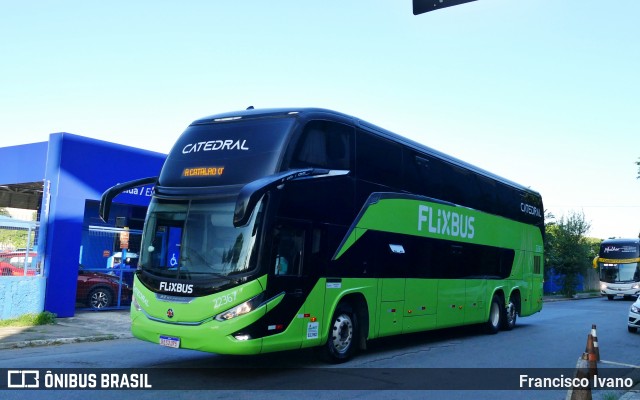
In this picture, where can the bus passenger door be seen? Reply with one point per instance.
(287, 271)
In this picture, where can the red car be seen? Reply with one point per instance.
(99, 290)
(12, 263)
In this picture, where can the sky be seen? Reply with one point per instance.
(544, 93)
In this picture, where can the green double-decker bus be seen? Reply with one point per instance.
(283, 229)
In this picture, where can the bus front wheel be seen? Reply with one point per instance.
(343, 335)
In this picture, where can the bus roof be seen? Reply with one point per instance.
(621, 241)
(310, 113)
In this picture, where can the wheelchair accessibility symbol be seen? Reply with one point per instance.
(173, 262)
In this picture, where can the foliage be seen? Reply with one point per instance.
(43, 318)
(568, 250)
(14, 238)
(594, 247)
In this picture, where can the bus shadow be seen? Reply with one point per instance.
(310, 358)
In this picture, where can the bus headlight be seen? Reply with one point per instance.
(240, 309)
(135, 304)
(636, 286)
(635, 309)
(603, 286)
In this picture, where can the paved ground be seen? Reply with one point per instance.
(84, 326)
(108, 325)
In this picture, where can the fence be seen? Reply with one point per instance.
(588, 281)
(18, 248)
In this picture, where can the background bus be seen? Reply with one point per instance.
(289, 228)
(619, 263)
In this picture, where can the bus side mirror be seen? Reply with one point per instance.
(252, 192)
(112, 192)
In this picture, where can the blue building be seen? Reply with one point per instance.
(62, 180)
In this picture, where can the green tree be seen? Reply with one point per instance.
(13, 238)
(569, 252)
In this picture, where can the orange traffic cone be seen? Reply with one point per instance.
(582, 372)
(596, 348)
(591, 357)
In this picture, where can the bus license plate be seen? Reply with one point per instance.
(170, 341)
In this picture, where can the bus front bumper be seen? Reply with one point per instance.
(613, 290)
(634, 316)
(206, 337)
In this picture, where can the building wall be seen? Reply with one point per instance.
(21, 295)
(74, 169)
(27, 163)
(80, 169)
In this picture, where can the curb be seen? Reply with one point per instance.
(551, 299)
(59, 341)
(630, 395)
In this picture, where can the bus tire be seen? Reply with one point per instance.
(343, 335)
(496, 312)
(510, 315)
(610, 297)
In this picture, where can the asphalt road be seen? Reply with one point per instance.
(548, 343)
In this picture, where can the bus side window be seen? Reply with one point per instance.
(324, 144)
(289, 251)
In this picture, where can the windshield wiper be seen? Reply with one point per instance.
(202, 260)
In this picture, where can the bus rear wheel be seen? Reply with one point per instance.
(343, 335)
(510, 316)
(495, 315)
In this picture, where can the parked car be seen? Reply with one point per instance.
(12, 263)
(99, 290)
(634, 316)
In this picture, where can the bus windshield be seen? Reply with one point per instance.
(617, 273)
(228, 153)
(196, 240)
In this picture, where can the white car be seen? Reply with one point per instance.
(634, 316)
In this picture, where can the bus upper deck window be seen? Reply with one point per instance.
(324, 144)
